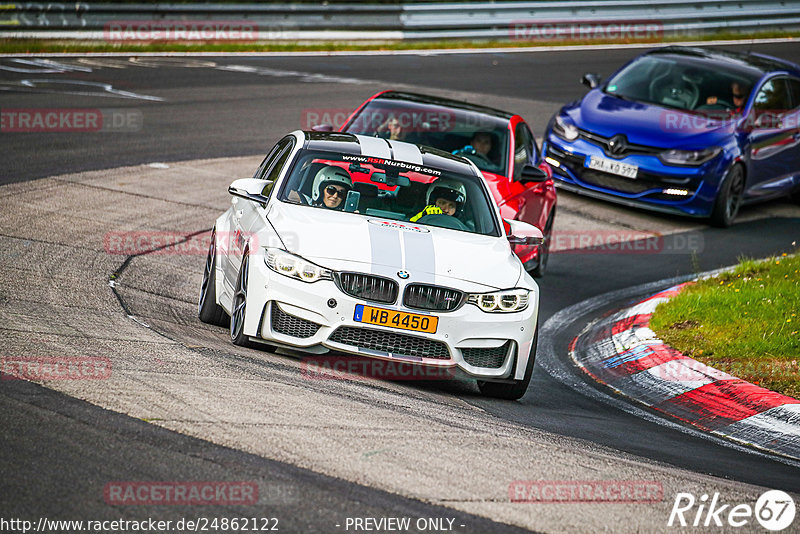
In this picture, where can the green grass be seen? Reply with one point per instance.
(30, 46)
(745, 322)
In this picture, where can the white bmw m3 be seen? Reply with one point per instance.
(376, 248)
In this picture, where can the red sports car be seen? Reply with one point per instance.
(499, 143)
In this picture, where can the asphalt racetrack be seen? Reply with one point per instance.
(183, 404)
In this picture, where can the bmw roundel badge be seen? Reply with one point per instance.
(403, 274)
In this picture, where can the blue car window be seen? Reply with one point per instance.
(680, 83)
(773, 96)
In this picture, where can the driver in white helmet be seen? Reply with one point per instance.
(330, 187)
(445, 196)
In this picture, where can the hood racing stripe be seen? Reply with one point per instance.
(419, 256)
(385, 247)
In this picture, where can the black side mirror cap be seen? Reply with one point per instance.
(591, 80)
(322, 128)
(531, 174)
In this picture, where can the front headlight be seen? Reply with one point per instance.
(510, 300)
(689, 157)
(296, 267)
(564, 128)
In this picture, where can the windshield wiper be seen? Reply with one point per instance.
(620, 96)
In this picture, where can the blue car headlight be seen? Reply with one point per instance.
(508, 301)
(295, 267)
(564, 128)
(689, 157)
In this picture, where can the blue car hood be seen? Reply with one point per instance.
(648, 124)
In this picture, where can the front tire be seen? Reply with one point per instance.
(544, 248)
(516, 389)
(729, 198)
(208, 310)
(239, 306)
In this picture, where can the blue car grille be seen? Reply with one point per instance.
(603, 142)
(617, 183)
(645, 181)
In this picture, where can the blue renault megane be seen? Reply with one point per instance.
(690, 131)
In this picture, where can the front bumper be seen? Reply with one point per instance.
(296, 314)
(653, 188)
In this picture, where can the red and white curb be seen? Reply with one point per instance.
(620, 351)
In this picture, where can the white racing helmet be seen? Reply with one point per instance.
(449, 189)
(327, 175)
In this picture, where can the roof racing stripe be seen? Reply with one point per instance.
(374, 147)
(406, 152)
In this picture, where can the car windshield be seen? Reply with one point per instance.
(388, 189)
(480, 138)
(682, 83)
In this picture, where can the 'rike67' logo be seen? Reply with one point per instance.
(774, 510)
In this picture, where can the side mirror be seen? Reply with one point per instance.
(322, 128)
(522, 233)
(531, 174)
(250, 189)
(591, 80)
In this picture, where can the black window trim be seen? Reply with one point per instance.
(792, 96)
(274, 155)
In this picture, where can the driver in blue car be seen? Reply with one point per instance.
(738, 97)
(444, 197)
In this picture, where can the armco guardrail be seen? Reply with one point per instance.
(522, 21)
